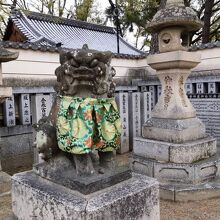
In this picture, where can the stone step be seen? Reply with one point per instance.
(166, 172)
(190, 192)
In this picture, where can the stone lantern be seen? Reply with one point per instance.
(5, 56)
(173, 66)
(174, 147)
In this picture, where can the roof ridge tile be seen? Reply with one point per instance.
(62, 20)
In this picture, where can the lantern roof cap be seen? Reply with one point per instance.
(175, 14)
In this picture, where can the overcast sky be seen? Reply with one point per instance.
(103, 3)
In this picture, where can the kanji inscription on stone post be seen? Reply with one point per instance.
(123, 104)
(146, 100)
(159, 91)
(152, 90)
(212, 87)
(189, 88)
(25, 115)
(136, 98)
(200, 88)
(41, 106)
(9, 112)
(143, 88)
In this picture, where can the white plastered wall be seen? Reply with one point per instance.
(38, 64)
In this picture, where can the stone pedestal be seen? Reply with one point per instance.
(186, 172)
(37, 198)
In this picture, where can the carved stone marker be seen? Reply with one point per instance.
(41, 106)
(81, 177)
(25, 112)
(146, 103)
(159, 91)
(136, 114)
(152, 90)
(9, 111)
(174, 146)
(200, 88)
(212, 88)
(5, 92)
(123, 105)
(189, 88)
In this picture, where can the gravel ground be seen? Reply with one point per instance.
(201, 210)
(5, 206)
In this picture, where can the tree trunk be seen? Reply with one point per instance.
(207, 21)
(154, 47)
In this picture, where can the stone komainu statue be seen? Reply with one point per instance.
(85, 113)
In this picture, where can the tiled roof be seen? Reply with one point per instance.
(47, 48)
(27, 45)
(205, 46)
(49, 30)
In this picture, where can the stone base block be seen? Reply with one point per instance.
(36, 198)
(174, 131)
(178, 172)
(188, 152)
(184, 193)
